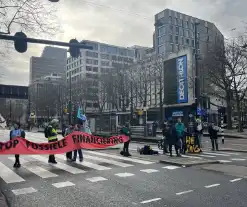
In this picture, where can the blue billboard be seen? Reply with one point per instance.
(182, 84)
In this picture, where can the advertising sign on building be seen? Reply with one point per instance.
(182, 88)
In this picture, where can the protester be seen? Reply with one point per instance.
(51, 134)
(165, 133)
(68, 131)
(17, 132)
(213, 134)
(81, 128)
(198, 132)
(180, 132)
(126, 131)
(173, 139)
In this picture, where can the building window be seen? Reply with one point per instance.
(182, 23)
(161, 31)
(171, 48)
(208, 39)
(182, 40)
(177, 48)
(177, 30)
(187, 41)
(171, 29)
(105, 63)
(198, 35)
(161, 49)
(176, 21)
(187, 24)
(207, 30)
(192, 43)
(88, 68)
(192, 35)
(105, 56)
(95, 62)
(171, 38)
(95, 69)
(176, 39)
(192, 26)
(161, 40)
(92, 54)
(186, 33)
(170, 19)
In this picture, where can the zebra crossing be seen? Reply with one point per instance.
(39, 166)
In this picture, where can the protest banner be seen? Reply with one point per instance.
(75, 140)
(191, 145)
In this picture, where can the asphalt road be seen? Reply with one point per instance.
(107, 179)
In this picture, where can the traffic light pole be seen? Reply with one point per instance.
(197, 81)
(70, 100)
(46, 42)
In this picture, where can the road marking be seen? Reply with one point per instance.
(224, 161)
(238, 159)
(151, 200)
(96, 179)
(210, 153)
(211, 186)
(184, 192)
(235, 180)
(39, 171)
(113, 162)
(123, 175)
(206, 155)
(171, 167)
(63, 184)
(121, 158)
(24, 191)
(228, 153)
(149, 170)
(8, 175)
(189, 156)
(59, 165)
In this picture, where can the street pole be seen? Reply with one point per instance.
(70, 99)
(197, 81)
(10, 111)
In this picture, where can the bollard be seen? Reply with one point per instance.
(222, 137)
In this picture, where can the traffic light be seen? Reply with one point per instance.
(74, 51)
(53, 0)
(20, 45)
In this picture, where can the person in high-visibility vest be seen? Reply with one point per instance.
(52, 137)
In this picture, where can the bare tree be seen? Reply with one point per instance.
(34, 16)
(227, 73)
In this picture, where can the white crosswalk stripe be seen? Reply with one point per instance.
(59, 165)
(39, 171)
(8, 175)
(121, 158)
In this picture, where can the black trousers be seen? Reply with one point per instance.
(176, 148)
(215, 144)
(52, 157)
(17, 159)
(126, 146)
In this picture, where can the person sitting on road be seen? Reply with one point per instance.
(17, 132)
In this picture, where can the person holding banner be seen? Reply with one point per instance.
(68, 131)
(81, 128)
(52, 137)
(17, 132)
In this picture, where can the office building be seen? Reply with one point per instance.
(53, 60)
(103, 59)
(175, 31)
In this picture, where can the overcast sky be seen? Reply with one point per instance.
(123, 23)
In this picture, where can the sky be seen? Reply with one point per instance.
(120, 22)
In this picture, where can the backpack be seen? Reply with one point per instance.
(46, 132)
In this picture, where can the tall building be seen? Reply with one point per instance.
(53, 60)
(91, 64)
(47, 96)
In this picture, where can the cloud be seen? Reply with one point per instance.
(124, 23)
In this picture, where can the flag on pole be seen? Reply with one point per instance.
(81, 115)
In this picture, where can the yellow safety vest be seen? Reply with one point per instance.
(53, 137)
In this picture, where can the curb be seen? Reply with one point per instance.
(190, 164)
(233, 150)
(3, 200)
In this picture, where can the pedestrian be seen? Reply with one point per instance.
(154, 126)
(165, 133)
(126, 131)
(51, 134)
(173, 139)
(213, 134)
(68, 131)
(81, 128)
(198, 132)
(180, 132)
(17, 132)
